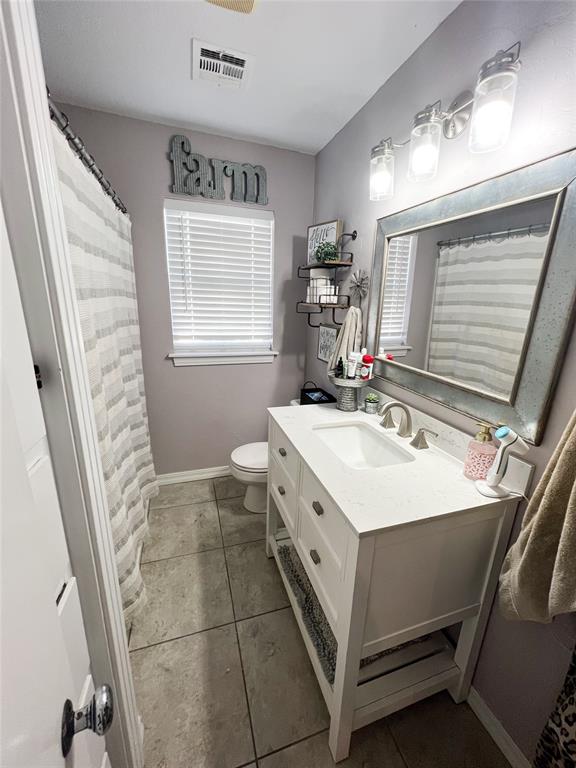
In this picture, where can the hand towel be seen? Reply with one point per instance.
(538, 579)
(349, 337)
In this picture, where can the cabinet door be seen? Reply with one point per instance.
(284, 493)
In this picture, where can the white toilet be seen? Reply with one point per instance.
(249, 465)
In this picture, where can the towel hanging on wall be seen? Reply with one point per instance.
(349, 337)
(538, 579)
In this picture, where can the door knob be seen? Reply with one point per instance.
(97, 715)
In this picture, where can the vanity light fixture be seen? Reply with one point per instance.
(490, 109)
(425, 142)
(382, 170)
(494, 100)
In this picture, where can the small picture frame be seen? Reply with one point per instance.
(325, 232)
(327, 335)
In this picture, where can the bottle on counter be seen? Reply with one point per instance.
(354, 359)
(481, 453)
(339, 373)
(367, 366)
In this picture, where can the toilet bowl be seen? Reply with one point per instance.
(249, 465)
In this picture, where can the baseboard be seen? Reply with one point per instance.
(193, 474)
(508, 747)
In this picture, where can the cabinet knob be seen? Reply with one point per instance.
(318, 508)
(281, 490)
(315, 557)
(282, 451)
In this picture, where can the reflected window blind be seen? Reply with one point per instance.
(220, 262)
(397, 291)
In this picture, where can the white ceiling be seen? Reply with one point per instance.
(317, 61)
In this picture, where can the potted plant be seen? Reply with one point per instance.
(371, 402)
(326, 252)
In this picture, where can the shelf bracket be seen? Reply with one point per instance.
(334, 321)
(312, 324)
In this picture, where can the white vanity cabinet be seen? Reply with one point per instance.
(384, 572)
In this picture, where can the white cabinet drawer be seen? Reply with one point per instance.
(321, 566)
(282, 450)
(332, 527)
(284, 492)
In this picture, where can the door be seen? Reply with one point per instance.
(44, 655)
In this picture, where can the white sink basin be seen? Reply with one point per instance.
(361, 446)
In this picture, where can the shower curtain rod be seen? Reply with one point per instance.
(531, 228)
(78, 146)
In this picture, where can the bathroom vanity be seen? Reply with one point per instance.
(393, 545)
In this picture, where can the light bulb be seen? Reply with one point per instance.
(494, 101)
(382, 171)
(425, 144)
(424, 159)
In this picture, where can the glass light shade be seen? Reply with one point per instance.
(492, 112)
(382, 172)
(424, 150)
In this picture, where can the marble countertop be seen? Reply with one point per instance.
(377, 499)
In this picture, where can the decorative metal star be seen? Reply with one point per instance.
(359, 284)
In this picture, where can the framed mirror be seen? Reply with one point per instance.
(473, 295)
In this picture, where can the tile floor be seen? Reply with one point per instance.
(222, 676)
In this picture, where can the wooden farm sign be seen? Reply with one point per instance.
(194, 174)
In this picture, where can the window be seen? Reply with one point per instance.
(220, 277)
(397, 294)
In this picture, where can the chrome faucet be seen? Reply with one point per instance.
(405, 428)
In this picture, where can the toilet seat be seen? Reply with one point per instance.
(252, 458)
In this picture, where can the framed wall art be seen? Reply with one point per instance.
(325, 232)
(327, 335)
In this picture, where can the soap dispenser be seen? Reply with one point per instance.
(481, 453)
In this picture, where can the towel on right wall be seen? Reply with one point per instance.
(538, 582)
(538, 579)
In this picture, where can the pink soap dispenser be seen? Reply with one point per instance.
(481, 453)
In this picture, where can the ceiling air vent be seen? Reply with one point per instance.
(220, 66)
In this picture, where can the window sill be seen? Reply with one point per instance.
(239, 358)
(397, 350)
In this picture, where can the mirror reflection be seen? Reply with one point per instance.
(458, 298)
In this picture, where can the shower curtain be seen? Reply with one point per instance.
(99, 237)
(481, 308)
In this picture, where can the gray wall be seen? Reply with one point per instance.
(522, 665)
(198, 415)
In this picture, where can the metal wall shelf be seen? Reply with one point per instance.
(317, 308)
(328, 264)
(345, 261)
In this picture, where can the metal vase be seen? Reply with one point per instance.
(347, 399)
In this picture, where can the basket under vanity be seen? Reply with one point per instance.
(394, 554)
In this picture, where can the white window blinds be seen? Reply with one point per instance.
(397, 292)
(220, 262)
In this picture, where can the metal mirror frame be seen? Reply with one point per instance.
(552, 318)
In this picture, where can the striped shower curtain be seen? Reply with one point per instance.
(481, 308)
(100, 242)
